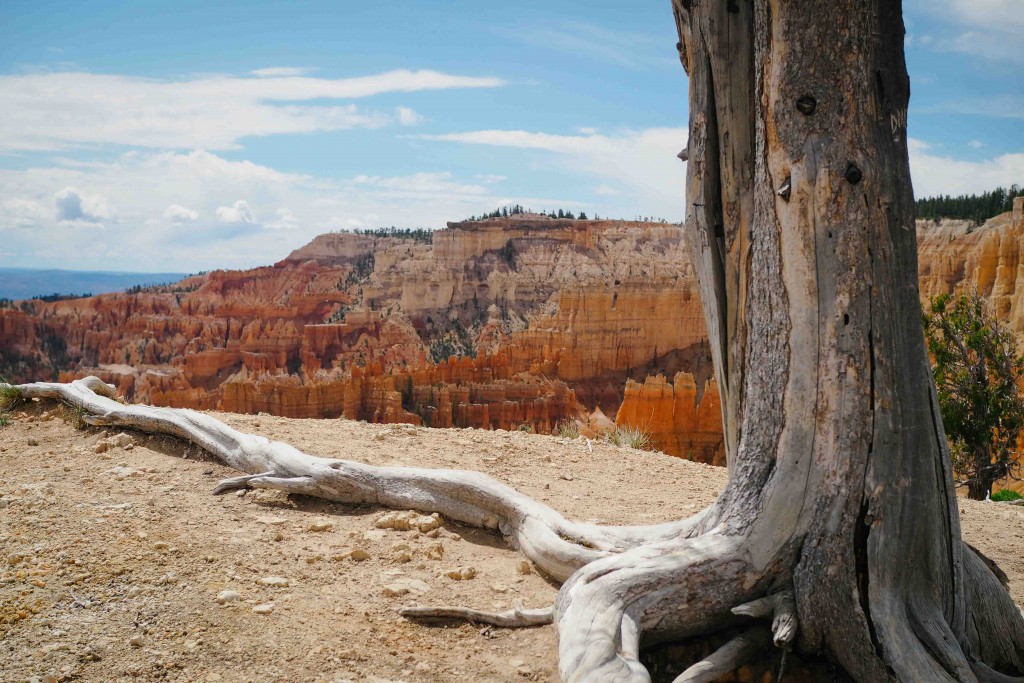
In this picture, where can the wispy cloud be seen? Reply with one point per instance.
(621, 48)
(407, 116)
(990, 29)
(279, 71)
(995, 106)
(643, 161)
(56, 111)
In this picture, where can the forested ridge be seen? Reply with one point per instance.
(973, 207)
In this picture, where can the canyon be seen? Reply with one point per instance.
(524, 322)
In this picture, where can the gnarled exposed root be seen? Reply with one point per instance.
(634, 581)
(624, 585)
(781, 607)
(514, 618)
(727, 658)
(557, 546)
(661, 591)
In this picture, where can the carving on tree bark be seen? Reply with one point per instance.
(838, 532)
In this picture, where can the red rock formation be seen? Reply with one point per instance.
(352, 324)
(678, 419)
(562, 314)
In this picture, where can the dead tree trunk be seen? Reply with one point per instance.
(801, 225)
(839, 522)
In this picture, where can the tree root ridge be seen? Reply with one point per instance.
(622, 583)
(727, 658)
(624, 586)
(514, 618)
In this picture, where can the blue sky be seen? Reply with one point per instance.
(193, 135)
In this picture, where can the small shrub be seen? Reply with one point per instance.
(569, 429)
(1004, 495)
(525, 427)
(9, 396)
(629, 436)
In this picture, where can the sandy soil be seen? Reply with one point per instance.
(111, 563)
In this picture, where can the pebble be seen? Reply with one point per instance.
(32, 441)
(121, 440)
(320, 526)
(357, 554)
(265, 608)
(461, 573)
(160, 545)
(273, 521)
(405, 586)
(524, 567)
(226, 596)
(135, 641)
(274, 581)
(394, 590)
(407, 520)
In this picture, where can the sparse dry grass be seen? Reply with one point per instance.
(569, 429)
(630, 436)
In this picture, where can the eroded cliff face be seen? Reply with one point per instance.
(524, 322)
(955, 255)
(681, 417)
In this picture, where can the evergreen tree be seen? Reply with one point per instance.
(977, 374)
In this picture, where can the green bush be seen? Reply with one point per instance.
(1004, 495)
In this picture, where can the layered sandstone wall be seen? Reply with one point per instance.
(679, 419)
(551, 317)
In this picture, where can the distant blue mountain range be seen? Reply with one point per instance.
(25, 283)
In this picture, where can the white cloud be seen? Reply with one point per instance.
(180, 214)
(643, 160)
(73, 205)
(975, 144)
(996, 14)
(285, 220)
(239, 212)
(55, 111)
(287, 210)
(21, 213)
(408, 117)
(278, 71)
(991, 29)
(934, 173)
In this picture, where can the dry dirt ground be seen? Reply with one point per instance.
(111, 563)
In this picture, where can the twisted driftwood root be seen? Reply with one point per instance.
(622, 584)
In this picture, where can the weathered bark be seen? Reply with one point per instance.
(839, 524)
(802, 232)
